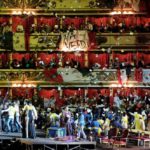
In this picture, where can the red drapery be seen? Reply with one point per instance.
(16, 20)
(123, 56)
(76, 21)
(78, 57)
(3, 92)
(94, 92)
(99, 21)
(123, 91)
(141, 92)
(29, 22)
(144, 56)
(19, 56)
(46, 21)
(4, 20)
(127, 91)
(52, 75)
(26, 22)
(102, 59)
(92, 39)
(47, 93)
(73, 92)
(48, 57)
(138, 75)
(129, 20)
(22, 92)
(5, 58)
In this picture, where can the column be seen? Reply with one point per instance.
(61, 22)
(10, 93)
(60, 59)
(10, 60)
(86, 60)
(60, 92)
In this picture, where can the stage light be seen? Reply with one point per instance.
(14, 85)
(23, 12)
(19, 13)
(119, 85)
(24, 85)
(29, 85)
(59, 88)
(19, 85)
(130, 85)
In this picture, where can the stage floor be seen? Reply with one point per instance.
(61, 144)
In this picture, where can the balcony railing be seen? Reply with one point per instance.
(67, 76)
(45, 42)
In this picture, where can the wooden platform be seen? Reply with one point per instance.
(49, 144)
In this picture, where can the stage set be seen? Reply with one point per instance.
(14, 141)
(74, 74)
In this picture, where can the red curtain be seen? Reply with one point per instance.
(79, 57)
(26, 22)
(52, 75)
(22, 92)
(144, 56)
(16, 20)
(4, 19)
(138, 75)
(123, 56)
(46, 21)
(19, 56)
(72, 92)
(47, 93)
(92, 39)
(76, 21)
(99, 21)
(5, 58)
(48, 57)
(129, 20)
(3, 92)
(94, 92)
(102, 59)
(123, 91)
(29, 22)
(141, 92)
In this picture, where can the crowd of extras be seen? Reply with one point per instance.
(81, 117)
(111, 26)
(38, 63)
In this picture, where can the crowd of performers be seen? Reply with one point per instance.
(80, 120)
(14, 119)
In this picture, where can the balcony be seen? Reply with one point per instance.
(67, 77)
(50, 41)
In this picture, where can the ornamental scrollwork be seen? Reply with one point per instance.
(22, 3)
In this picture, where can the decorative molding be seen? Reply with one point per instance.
(22, 3)
(102, 78)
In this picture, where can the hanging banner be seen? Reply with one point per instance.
(74, 41)
(146, 75)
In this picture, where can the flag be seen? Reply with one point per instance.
(122, 76)
(74, 41)
(53, 76)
